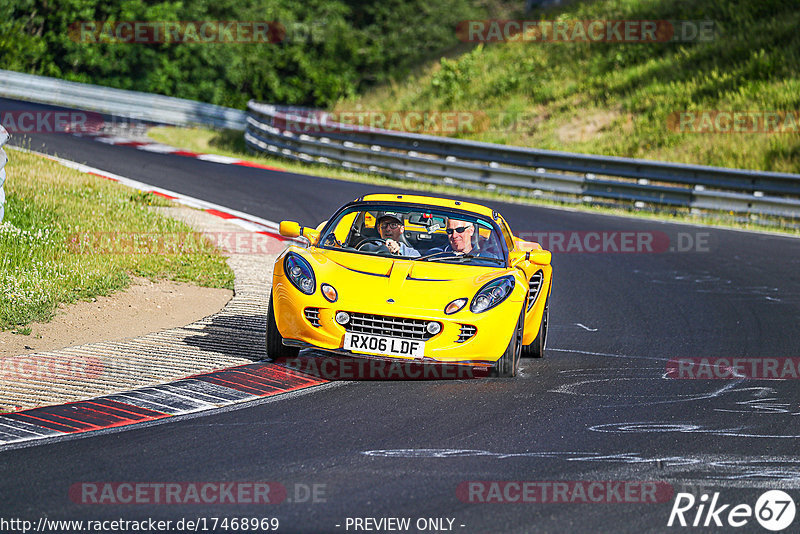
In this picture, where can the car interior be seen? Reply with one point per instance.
(423, 231)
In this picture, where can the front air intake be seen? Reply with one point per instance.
(467, 331)
(312, 316)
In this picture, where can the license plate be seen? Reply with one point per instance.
(386, 346)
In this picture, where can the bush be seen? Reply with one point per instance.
(332, 49)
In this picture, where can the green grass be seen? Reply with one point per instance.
(231, 143)
(616, 98)
(602, 98)
(46, 258)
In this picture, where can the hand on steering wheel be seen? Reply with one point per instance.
(393, 246)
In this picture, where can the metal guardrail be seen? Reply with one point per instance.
(118, 102)
(518, 171)
(3, 160)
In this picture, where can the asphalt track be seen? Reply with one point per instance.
(597, 408)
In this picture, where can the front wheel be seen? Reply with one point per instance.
(275, 347)
(508, 363)
(536, 348)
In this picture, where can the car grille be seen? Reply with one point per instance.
(467, 331)
(382, 325)
(312, 316)
(533, 287)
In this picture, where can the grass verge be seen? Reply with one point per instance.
(231, 143)
(623, 98)
(49, 206)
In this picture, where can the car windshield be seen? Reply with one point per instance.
(420, 234)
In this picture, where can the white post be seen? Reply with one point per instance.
(3, 159)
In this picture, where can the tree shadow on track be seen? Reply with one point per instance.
(240, 336)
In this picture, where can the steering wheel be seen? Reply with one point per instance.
(374, 241)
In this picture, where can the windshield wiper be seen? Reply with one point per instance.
(460, 257)
(423, 258)
(464, 257)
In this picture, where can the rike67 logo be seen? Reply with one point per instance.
(774, 510)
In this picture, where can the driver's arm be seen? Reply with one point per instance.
(393, 246)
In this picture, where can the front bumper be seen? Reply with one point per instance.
(493, 328)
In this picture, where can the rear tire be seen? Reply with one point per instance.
(536, 349)
(508, 363)
(275, 347)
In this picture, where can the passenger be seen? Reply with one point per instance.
(459, 237)
(390, 226)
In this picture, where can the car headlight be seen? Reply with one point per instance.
(299, 273)
(342, 317)
(492, 294)
(433, 328)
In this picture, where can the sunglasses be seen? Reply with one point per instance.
(460, 230)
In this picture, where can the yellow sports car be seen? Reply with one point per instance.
(412, 278)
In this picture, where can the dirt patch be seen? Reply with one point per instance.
(584, 128)
(144, 308)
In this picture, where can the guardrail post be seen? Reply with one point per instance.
(3, 158)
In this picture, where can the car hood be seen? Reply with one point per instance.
(370, 282)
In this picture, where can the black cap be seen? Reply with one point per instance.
(390, 215)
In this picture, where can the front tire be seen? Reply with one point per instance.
(536, 348)
(275, 347)
(508, 363)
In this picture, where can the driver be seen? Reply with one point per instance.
(390, 226)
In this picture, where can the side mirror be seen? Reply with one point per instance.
(293, 229)
(290, 229)
(542, 257)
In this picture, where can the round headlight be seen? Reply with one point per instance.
(433, 328)
(481, 303)
(342, 317)
(299, 273)
(492, 294)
